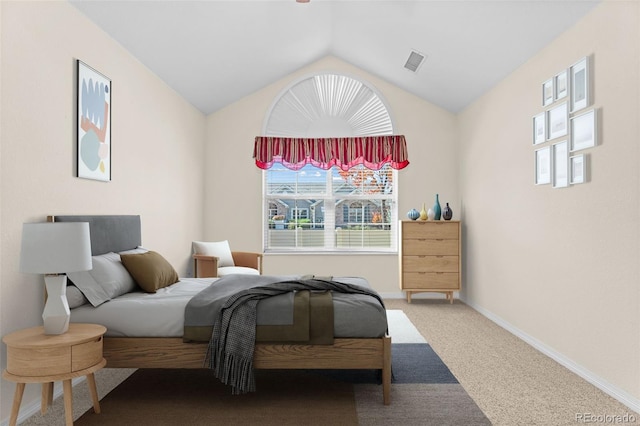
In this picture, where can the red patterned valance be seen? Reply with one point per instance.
(294, 153)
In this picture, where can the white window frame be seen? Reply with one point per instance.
(329, 214)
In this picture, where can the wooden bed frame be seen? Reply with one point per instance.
(156, 352)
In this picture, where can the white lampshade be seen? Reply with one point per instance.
(54, 248)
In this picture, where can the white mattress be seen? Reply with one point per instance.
(161, 314)
(139, 314)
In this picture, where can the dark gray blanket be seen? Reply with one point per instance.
(204, 308)
(230, 351)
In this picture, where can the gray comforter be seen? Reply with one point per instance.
(233, 301)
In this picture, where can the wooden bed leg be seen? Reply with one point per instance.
(386, 371)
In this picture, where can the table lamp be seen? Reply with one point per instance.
(52, 249)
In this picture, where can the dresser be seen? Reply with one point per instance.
(430, 257)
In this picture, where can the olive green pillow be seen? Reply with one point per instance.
(150, 270)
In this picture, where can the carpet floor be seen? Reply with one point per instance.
(423, 392)
(513, 383)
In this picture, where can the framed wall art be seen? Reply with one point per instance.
(560, 162)
(561, 85)
(557, 121)
(543, 166)
(547, 92)
(579, 81)
(539, 129)
(94, 124)
(583, 131)
(577, 169)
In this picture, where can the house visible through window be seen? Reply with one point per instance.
(315, 210)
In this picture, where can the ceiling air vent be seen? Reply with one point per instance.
(414, 61)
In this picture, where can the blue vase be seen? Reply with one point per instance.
(413, 214)
(436, 209)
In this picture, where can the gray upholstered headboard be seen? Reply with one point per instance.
(114, 233)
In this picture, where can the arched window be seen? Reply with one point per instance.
(334, 209)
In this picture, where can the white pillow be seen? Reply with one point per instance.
(108, 279)
(219, 249)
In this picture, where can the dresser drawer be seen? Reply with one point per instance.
(430, 263)
(431, 280)
(430, 230)
(85, 355)
(423, 246)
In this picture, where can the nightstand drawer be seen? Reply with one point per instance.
(86, 354)
(34, 362)
(431, 280)
(430, 264)
(424, 246)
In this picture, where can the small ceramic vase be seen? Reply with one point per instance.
(431, 214)
(447, 213)
(423, 213)
(413, 214)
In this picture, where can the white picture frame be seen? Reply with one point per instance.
(560, 164)
(577, 169)
(561, 85)
(584, 131)
(543, 166)
(557, 121)
(539, 128)
(580, 84)
(93, 132)
(547, 92)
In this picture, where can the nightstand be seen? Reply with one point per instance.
(33, 357)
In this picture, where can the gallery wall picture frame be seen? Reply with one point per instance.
(547, 92)
(557, 121)
(93, 124)
(579, 76)
(543, 166)
(577, 169)
(561, 85)
(560, 164)
(584, 130)
(539, 128)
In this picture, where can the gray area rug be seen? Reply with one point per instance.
(423, 391)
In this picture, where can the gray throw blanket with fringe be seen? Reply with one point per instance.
(230, 350)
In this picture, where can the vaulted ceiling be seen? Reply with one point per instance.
(215, 52)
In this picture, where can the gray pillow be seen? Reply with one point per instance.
(108, 279)
(75, 297)
(137, 250)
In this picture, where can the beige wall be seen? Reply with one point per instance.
(557, 265)
(157, 140)
(560, 266)
(231, 171)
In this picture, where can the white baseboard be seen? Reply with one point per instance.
(402, 295)
(611, 390)
(28, 410)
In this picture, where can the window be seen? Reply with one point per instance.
(330, 210)
(315, 210)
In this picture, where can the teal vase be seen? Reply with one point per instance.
(436, 209)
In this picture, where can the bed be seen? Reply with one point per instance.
(165, 346)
